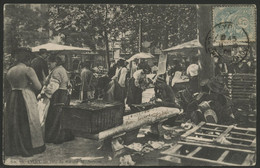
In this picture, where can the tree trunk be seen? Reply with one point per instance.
(106, 42)
(204, 27)
(140, 34)
(107, 51)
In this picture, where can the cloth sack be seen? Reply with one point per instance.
(43, 106)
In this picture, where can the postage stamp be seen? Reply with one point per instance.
(243, 19)
(223, 40)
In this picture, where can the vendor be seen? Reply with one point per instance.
(164, 93)
(219, 105)
(56, 89)
(137, 84)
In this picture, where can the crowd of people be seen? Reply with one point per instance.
(44, 77)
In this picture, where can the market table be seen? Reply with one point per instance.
(131, 123)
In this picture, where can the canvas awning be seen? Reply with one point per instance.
(58, 47)
(140, 56)
(188, 45)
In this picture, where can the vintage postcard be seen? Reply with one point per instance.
(129, 84)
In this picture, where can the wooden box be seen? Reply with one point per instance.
(196, 154)
(92, 117)
(238, 137)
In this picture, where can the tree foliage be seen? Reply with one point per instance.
(163, 25)
(24, 27)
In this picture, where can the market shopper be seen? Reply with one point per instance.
(137, 84)
(133, 67)
(120, 81)
(39, 64)
(86, 84)
(22, 129)
(56, 89)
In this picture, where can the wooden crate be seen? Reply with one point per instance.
(241, 86)
(92, 117)
(194, 154)
(244, 138)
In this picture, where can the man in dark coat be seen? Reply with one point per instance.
(39, 64)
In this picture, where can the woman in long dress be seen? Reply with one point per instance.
(56, 89)
(22, 129)
(137, 84)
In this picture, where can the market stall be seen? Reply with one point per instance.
(72, 57)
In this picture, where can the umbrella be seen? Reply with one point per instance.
(188, 45)
(140, 56)
(57, 47)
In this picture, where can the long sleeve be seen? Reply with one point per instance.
(122, 77)
(53, 85)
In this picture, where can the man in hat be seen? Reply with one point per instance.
(165, 93)
(120, 81)
(40, 66)
(221, 103)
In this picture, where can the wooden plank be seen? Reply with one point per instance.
(198, 139)
(248, 160)
(229, 128)
(245, 129)
(192, 130)
(239, 139)
(172, 149)
(194, 152)
(244, 134)
(216, 125)
(207, 135)
(215, 146)
(209, 129)
(222, 157)
(206, 160)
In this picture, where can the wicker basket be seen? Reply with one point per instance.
(92, 117)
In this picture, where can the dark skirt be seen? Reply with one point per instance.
(134, 94)
(119, 93)
(17, 136)
(53, 131)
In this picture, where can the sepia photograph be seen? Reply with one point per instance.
(129, 84)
